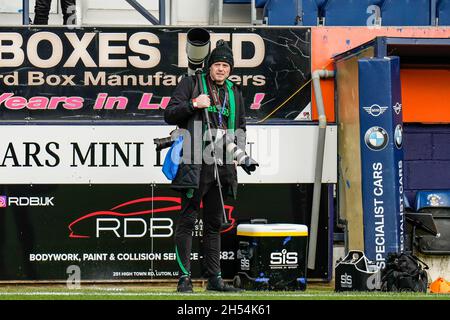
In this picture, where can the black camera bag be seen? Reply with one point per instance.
(404, 272)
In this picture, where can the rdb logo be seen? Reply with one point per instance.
(2, 201)
(26, 201)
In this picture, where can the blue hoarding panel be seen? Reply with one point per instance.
(381, 136)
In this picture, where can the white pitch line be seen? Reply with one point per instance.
(149, 294)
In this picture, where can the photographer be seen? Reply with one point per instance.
(196, 174)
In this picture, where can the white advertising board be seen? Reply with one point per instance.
(109, 154)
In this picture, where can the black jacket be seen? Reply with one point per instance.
(180, 112)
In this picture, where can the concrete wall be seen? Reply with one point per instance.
(427, 158)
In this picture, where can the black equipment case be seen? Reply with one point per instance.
(272, 256)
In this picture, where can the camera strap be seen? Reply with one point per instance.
(231, 100)
(219, 106)
(222, 110)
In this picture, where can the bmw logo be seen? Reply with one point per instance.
(398, 136)
(376, 138)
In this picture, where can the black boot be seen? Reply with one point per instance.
(217, 284)
(185, 285)
(41, 10)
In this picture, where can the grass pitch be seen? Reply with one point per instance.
(167, 292)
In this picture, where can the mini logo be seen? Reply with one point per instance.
(397, 108)
(375, 110)
(376, 138)
(3, 202)
(398, 136)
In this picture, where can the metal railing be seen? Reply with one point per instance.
(25, 12)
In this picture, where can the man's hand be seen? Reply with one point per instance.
(249, 165)
(201, 102)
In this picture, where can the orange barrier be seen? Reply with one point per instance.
(440, 286)
(425, 92)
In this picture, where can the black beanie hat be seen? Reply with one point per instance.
(222, 53)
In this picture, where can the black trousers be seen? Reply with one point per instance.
(42, 10)
(208, 192)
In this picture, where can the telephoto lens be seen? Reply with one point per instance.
(245, 161)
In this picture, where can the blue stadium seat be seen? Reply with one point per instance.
(432, 199)
(406, 13)
(281, 12)
(436, 202)
(408, 207)
(351, 12)
(310, 11)
(443, 12)
(293, 12)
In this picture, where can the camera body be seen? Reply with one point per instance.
(247, 163)
(163, 143)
